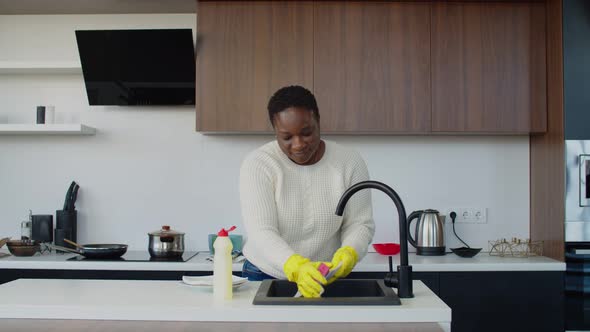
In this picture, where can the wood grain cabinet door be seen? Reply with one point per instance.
(372, 66)
(246, 50)
(489, 67)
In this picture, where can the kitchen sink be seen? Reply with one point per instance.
(340, 292)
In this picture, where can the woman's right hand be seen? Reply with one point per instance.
(305, 273)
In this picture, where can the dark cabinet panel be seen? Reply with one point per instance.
(504, 301)
(372, 66)
(246, 51)
(576, 68)
(7, 275)
(430, 279)
(488, 67)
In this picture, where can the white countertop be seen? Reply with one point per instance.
(453, 263)
(373, 262)
(174, 301)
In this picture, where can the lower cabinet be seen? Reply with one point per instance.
(480, 301)
(497, 301)
(504, 301)
(430, 279)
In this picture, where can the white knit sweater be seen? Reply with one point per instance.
(289, 208)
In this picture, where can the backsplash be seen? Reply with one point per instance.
(146, 166)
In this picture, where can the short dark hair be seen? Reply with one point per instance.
(292, 96)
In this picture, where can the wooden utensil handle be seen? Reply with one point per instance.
(73, 243)
(74, 251)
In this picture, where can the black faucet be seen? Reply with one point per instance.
(403, 282)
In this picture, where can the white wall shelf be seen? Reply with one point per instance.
(46, 129)
(39, 67)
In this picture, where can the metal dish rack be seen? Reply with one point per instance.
(516, 248)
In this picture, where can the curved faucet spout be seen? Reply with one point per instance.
(404, 269)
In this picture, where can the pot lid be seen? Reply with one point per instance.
(165, 231)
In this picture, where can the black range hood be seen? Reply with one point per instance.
(138, 67)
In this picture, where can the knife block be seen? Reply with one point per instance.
(66, 220)
(60, 235)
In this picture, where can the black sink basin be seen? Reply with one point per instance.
(340, 292)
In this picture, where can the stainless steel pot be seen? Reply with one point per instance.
(166, 243)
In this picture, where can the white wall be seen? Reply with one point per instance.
(147, 167)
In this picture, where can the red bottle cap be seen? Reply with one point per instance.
(224, 232)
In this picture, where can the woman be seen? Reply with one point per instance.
(289, 190)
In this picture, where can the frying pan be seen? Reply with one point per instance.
(97, 251)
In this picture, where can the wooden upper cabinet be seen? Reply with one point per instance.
(375, 66)
(372, 66)
(488, 67)
(246, 50)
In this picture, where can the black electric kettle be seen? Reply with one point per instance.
(430, 237)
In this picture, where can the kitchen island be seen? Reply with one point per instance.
(527, 293)
(145, 301)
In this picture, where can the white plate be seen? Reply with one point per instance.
(210, 287)
(207, 281)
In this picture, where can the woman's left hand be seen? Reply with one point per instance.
(348, 257)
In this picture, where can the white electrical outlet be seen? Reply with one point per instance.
(473, 215)
(480, 215)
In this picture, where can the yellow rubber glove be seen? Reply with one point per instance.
(348, 256)
(305, 273)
